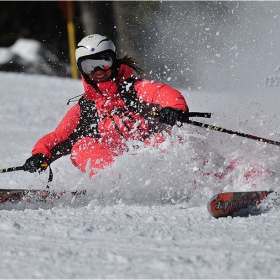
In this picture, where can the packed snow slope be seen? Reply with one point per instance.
(146, 216)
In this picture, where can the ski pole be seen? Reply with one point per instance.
(9, 169)
(220, 129)
(186, 116)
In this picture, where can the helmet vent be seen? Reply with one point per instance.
(107, 39)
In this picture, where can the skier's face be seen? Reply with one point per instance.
(100, 75)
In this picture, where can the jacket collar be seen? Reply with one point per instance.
(107, 98)
(124, 73)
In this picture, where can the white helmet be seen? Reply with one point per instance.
(93, 44)
(96, 45)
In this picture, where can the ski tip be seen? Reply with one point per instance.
(209, 205)
(230, 203)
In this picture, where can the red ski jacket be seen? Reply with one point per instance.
(114, 111)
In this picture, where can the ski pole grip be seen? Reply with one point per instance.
(188, 115)
(199, 115)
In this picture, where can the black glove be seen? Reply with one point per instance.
(170, 115)
(38, 162)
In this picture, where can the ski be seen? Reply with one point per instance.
(229, 203)
(29, 195)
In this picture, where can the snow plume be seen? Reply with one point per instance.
(192, 162)
(219, 45)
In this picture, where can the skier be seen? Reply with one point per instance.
(117, 105)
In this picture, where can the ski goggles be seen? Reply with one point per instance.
(104, 62)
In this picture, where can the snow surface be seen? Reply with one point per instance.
(145, 217)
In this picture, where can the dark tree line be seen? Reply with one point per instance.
(165, 36)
